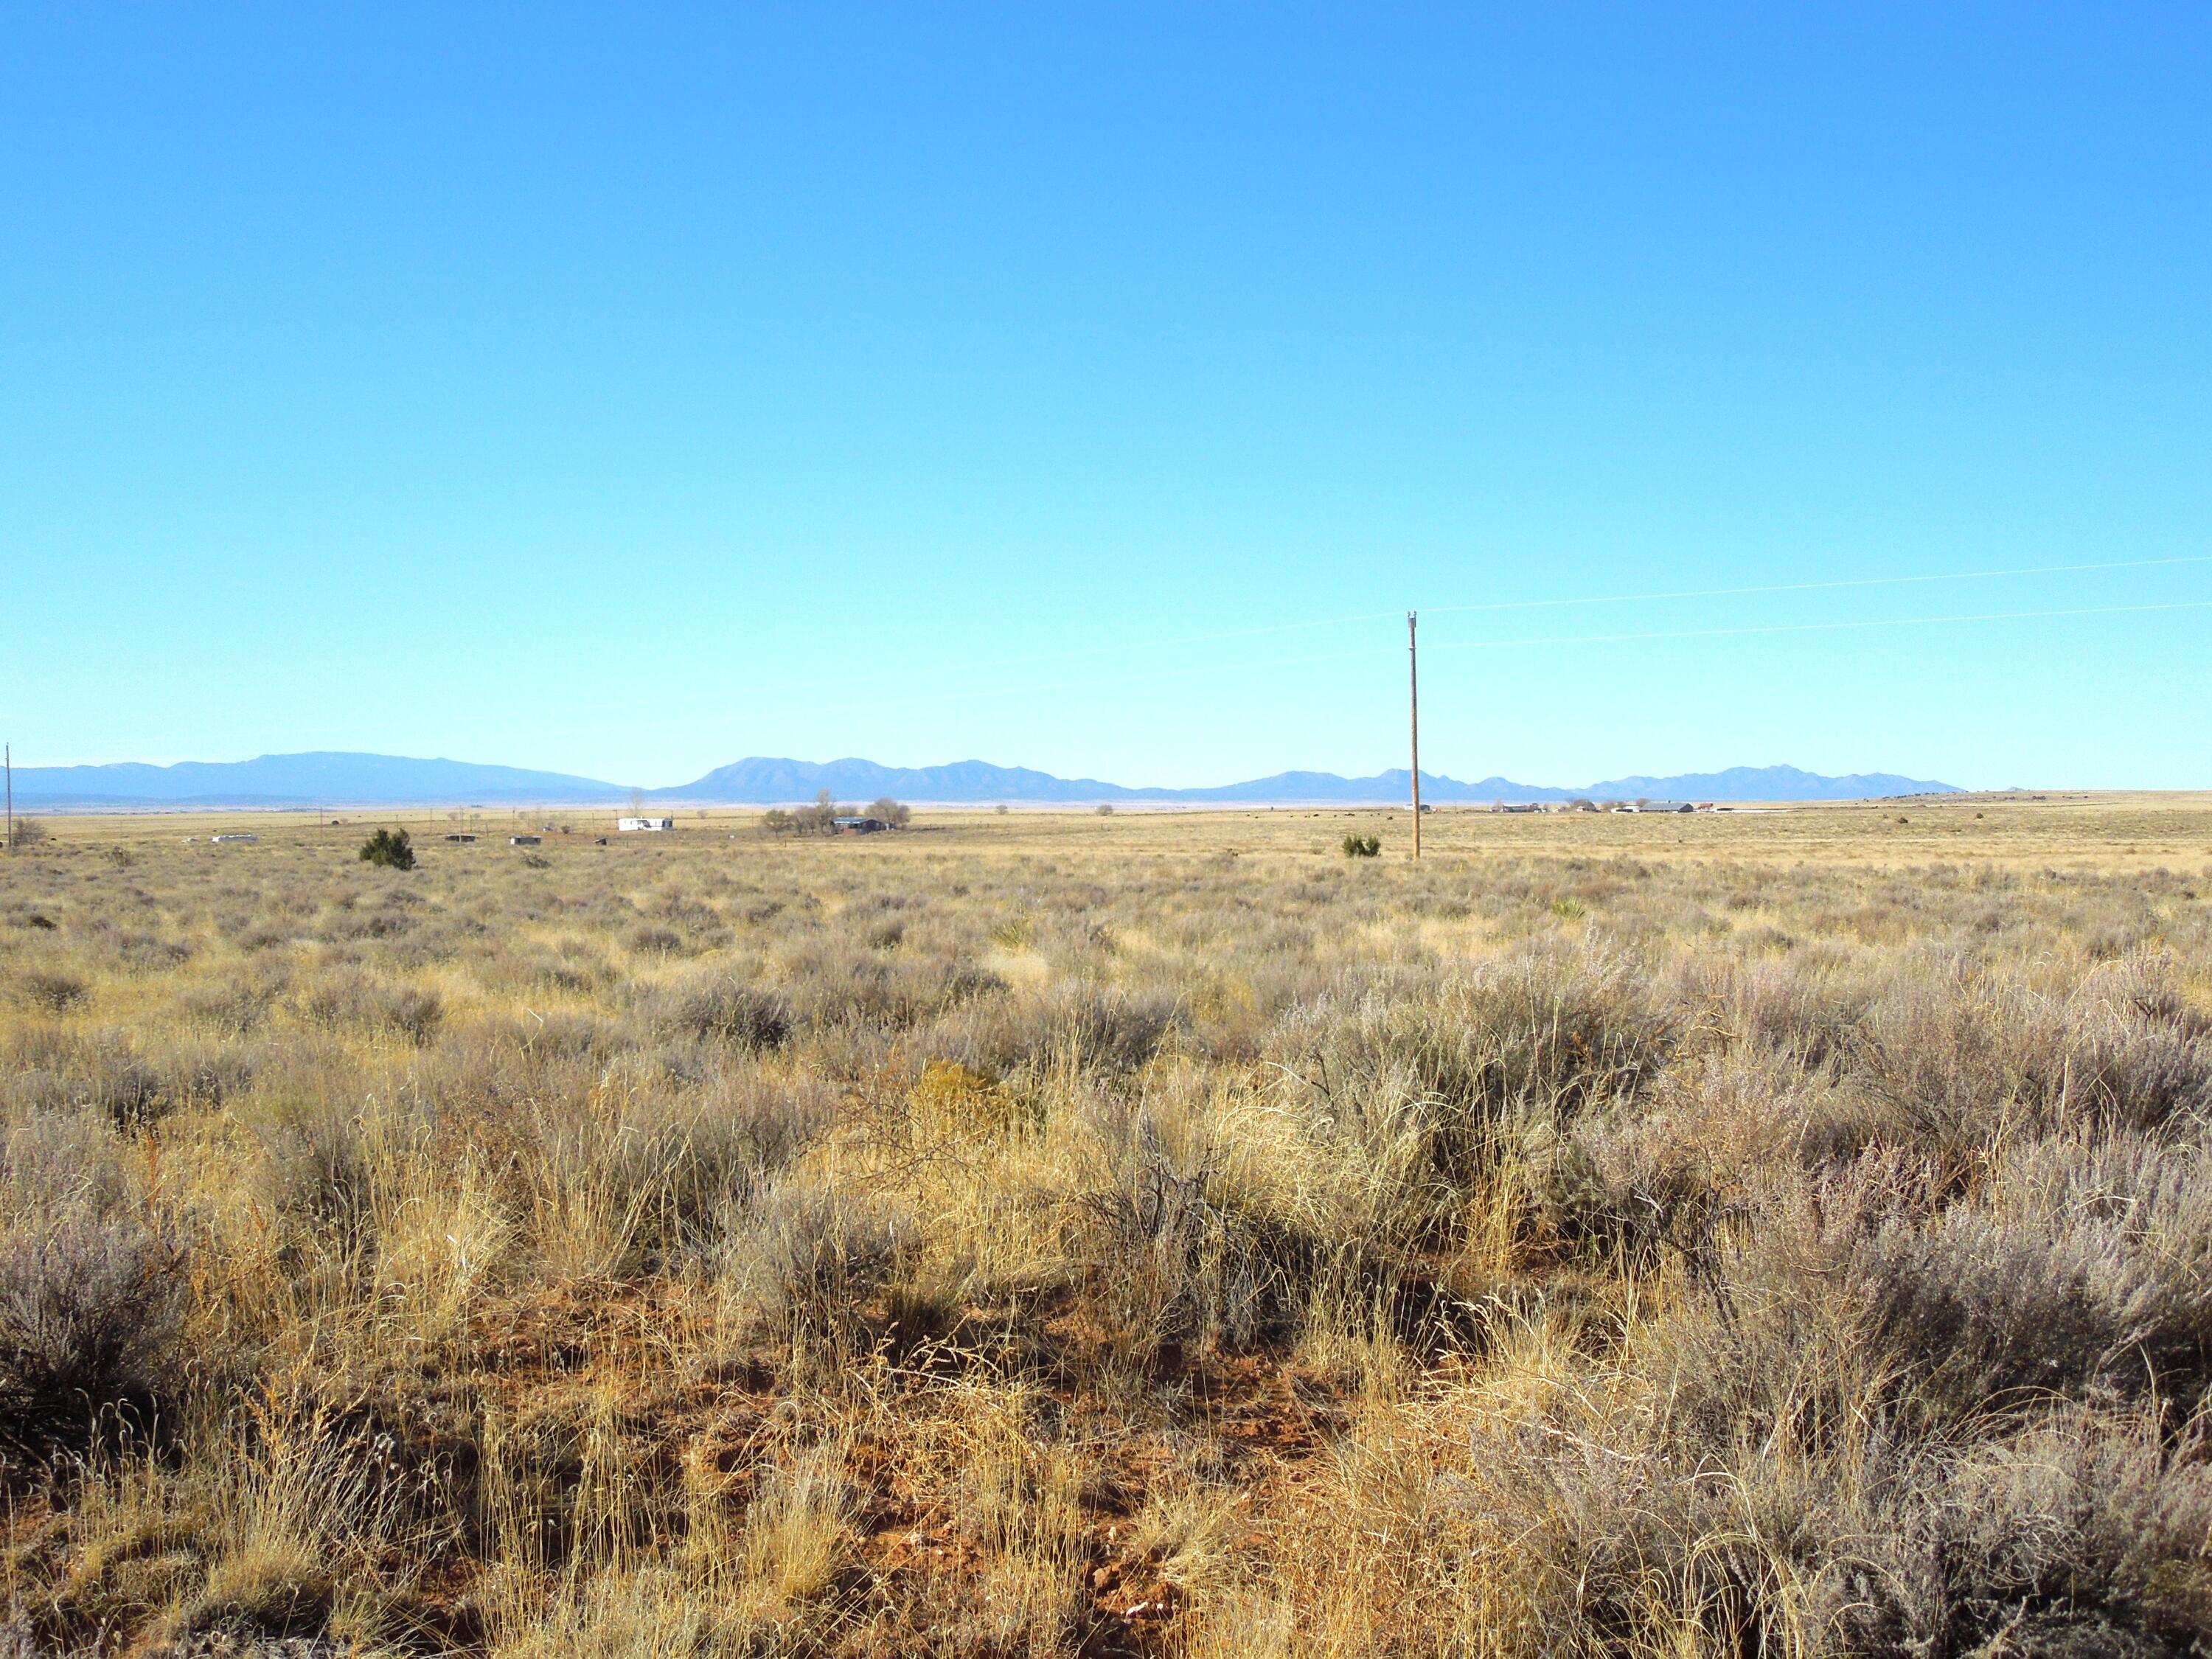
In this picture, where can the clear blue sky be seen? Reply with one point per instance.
(624, 390)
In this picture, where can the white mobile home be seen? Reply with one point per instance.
(627, 825)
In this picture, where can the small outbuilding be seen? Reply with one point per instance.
(522, 841)
(857, 826)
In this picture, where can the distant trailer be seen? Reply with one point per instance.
(460, 838)
(522, 841)
(233, 840)
(856, 826)
(626, 825)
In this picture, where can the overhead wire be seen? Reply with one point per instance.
(1654, 635)
(1823, 627)
(1079, 652)
(1818, 586)
(789, 688)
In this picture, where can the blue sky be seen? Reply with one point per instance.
(626, 389)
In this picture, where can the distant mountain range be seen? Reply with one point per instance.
(350, 779)
(331, 779)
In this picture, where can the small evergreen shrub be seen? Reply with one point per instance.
(390, 849)
(1361, 847)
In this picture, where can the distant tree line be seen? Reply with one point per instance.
(818, 818)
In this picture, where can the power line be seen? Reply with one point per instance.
(1824, 627)
(1159, 675)
(1079, 652)
(1821, 586)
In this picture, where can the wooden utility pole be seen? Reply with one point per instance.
(1414, 685)
(9, 753)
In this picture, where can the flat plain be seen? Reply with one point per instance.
(1053, 1234)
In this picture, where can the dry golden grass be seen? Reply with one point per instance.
(1050, 1234)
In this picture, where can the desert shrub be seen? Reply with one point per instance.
(557, 1035)
(652, 939)
(2082, 1534)
(2078, 1535)
(757, 1121)
(1525, 1043)
(699, 922)
(1173, 1263)
(1081, 1027)
(413, 1012)
(315, 1172)
(365, 1003)
(660, 1180)
(843, 983)
(56, 992)
(2084, 1269)
(1637, 1177)
(1110, 1028)
(723, 1008)
(2136, 1052)
(1957, 1058)
(737, 1131)
(91, 1301)
(132, 1086)
(1361, 847)
(235, 1004)
(1859, 1294)
(51, 1156)
(139, 952)
(389, 850)
(29, 832)
(1787, 1008)
(810, 1255)
(1822, 1521)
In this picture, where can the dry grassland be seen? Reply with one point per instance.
(1049, 1234)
